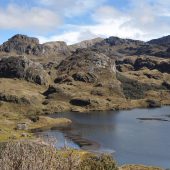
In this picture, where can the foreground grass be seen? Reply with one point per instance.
(38, 155)
(31, 155)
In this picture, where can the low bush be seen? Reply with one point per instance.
(29, 155)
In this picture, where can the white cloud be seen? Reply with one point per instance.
(70, 8)
(142, 20)
(34, 19)
(108, 22)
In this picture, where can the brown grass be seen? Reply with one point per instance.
(31, 155)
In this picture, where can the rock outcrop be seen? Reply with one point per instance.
(24, 45)
(22, 68)
(85, 44)
(20, 44)
(137, 63)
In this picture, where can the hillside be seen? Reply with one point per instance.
(99, 74)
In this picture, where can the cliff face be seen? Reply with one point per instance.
(98, 74)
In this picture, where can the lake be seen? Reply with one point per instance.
(139, 136)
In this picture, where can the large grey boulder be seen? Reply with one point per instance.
(22, 68)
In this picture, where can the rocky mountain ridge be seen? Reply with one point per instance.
(99, 74)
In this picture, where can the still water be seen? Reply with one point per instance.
(139, 136)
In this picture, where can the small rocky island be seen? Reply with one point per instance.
(94, 75)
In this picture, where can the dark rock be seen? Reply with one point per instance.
(144, 62)
(153, 103)
(52, 89)
(34, 118)
(166, 84)
(80, 102)
(153, 76)
(164, 67)
(85, 77)
(63, 79)
(23, 68)
(13, 98)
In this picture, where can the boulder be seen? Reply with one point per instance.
(85, 77)
(153, 103)
(80, 102)
(22, 68)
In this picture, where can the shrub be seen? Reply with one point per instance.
(31, 155)
(28, 155)
(100, 162)
(133, 89)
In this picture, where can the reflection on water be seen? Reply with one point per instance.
(142, 141)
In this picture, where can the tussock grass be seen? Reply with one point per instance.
(31, 155)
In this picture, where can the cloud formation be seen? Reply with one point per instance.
(62, 20)
(34, 19)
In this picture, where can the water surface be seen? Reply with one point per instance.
(129, 134)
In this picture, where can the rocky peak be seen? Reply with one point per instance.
(24, 39)
(57, 46)
(90, 61)
(19, 44)
(86, 43)
(22, 44)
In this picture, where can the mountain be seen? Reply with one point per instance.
(161, 41)
(97, 74)
(24, 45)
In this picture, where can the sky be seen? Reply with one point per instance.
(73, 21)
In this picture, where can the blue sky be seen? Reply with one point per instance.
(76, 20)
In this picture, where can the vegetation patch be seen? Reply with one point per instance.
(133, 89)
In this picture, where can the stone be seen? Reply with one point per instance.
(22, 126)
(85, 77)
(80, 102)
(34, 118)
(153, 103)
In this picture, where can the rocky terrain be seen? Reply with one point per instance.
(93, 75)
(98, 74)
